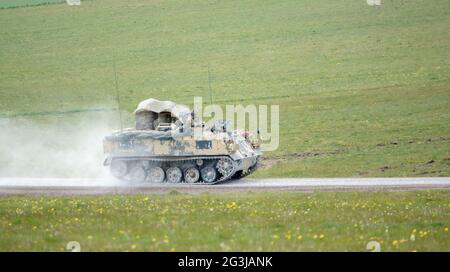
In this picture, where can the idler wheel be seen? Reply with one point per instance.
(174, 174)
(191, 175)
(156, 174)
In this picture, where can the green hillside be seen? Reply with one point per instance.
(363, 91)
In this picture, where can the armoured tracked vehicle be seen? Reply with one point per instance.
(170, 144)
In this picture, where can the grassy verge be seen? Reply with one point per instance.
(399, 221)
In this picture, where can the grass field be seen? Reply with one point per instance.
(363, 91)
(399, 221)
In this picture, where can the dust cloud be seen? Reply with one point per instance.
(68, 147)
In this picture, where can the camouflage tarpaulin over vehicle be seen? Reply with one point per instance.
(181, 112)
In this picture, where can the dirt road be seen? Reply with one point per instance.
(58, 186)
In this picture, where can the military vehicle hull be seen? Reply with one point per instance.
(177, 154)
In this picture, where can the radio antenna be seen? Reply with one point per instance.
(118, 96)
(209, 83)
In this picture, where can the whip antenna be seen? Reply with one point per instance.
(118, 96)
(209, 83)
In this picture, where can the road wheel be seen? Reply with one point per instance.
(156, 174)
(174, 174)
(118, 168)
(208, 174)
(137, 174)
(191, 175)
